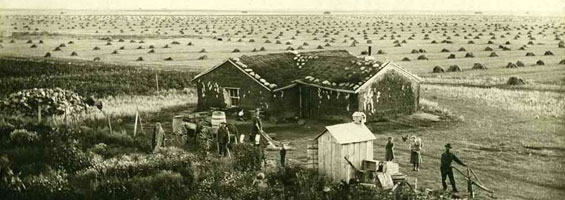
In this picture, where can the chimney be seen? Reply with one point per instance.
(359, 118)
(369, 51)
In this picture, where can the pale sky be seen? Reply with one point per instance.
(296, 5)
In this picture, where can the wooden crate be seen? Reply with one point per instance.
(370, 165)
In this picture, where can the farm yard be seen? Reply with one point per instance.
(496, 82)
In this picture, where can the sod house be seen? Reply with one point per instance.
(321, 85)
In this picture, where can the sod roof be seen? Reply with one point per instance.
(335, 69)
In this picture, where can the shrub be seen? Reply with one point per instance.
(247, 157)
(163, 185)
(52, 184)
(22, 136)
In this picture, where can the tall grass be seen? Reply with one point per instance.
(128, 105)
(550, 104)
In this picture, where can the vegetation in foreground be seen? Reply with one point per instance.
(44, 161)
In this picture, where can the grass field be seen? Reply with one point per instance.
(512, 136)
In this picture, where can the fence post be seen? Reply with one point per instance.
(157, 82)
(39, 113)
(470, 184)
(135, 124)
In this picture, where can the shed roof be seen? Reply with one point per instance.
(349, 133)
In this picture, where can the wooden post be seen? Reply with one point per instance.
(39, 113)
(135, 124)
(109, 123)
(157, 82)
(141, 125)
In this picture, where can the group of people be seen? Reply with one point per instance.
(415, 147)
(227, 134)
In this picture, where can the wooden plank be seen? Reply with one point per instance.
(385, 180)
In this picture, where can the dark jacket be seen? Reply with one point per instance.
(257, 125)
(447, 158)
(223, 135)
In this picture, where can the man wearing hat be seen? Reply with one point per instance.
(223, 139)
(446, 169)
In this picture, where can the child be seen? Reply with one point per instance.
(389, 155)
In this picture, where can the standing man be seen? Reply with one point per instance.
(446, 169)
(256, 128)
(283, 156)
(223, 139)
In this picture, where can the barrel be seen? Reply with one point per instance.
(217, 118)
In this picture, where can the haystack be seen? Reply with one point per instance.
(115, 52)
(479, 66)
(422, 57)
(405, 59)
(380, 52)
(96, 48)
(47, 55)
(414, 51)
(202, 51)
(151, 51)
(488, 49)
(540, 62)
(139, 58)
(462, 49)
(204, 57)
(493, 54)
(169, 59)
(454, 68)
(548, 53)
(562, 62)
(515, 81)
(469, 55)
(74, 53)
(451, 56)
(97, 59)
(57, 49)
(520, 64)
(320, 47)
(511, 65)
(438, 69)
(445, 50)
(33, 46)
(530, 54)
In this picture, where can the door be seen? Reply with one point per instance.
(305, 102)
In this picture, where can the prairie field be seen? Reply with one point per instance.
(513, 136)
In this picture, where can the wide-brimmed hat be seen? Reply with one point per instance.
(448, 145)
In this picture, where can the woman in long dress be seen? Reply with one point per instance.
(415, 152)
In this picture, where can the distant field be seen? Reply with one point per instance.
(309, 32)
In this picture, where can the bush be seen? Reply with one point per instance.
(163, 185)
(247, 157)
(52, 184)
(22, 136)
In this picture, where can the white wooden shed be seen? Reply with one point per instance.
(353, 140)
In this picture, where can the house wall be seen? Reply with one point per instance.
(389, 94)
(331, 155)
(210, 88)
(319, 103)
(285, 103)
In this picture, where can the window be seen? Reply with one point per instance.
(231, 96)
